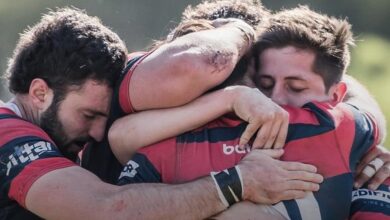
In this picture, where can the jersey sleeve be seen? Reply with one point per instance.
(26, 154)
(123, 96)
(139, 170)
(371, 204)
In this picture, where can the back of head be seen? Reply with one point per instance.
(66, 48)
(250, 11)
(199, 17)
(328, 37)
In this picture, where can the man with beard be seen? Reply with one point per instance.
(62, 73)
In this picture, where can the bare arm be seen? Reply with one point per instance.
(74, 193)
(185, 68)
(359, 96)
(130, 133)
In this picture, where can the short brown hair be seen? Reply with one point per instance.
(328, 37)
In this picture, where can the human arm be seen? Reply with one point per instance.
(183, 69)
(359, 96)
(130, 133)
(74, 193)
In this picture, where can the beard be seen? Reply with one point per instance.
(51, 124)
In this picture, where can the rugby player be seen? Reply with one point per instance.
(180, 69)
(304, 68)
(62, 73)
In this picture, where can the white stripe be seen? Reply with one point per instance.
(309, 207)
(13, 107)
(282, 210)
(242, 183)
(368, 194)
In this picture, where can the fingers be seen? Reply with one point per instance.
(297, 166)
(302, 185)
(305, 176)
(282, 136)
(368, 157)
(262, 135)
(370, 168)
(249, 132)
(276, 154)
(382, 174)
(273, 134)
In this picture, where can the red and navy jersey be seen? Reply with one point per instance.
(371, 205)
(331, 137)
(97, 157)
(26, 154)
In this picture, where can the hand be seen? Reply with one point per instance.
(268, 181)
(379, 152)
(265, 117)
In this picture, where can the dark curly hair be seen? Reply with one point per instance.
(328, 37)
(250, 11)
(66, 48)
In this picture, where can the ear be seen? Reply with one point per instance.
(40, 94)
(339, 91)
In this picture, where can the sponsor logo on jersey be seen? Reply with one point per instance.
(366, 194)
(229, 149)
(130, 170)
(27, 153)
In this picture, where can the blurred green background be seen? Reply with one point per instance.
(139, 22)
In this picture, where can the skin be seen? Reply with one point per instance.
(286, 76)
(199, 60)
(74, 193)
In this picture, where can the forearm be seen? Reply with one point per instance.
(182, 70)
(130, 133)
(195, 200)
(359, 96)
(73, 193)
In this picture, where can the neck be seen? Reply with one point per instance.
(27, 109)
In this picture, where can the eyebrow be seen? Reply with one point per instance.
(294, 78)
(96, 112)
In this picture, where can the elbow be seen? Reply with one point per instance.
(208, 67)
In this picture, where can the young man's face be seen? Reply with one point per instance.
(79, 118)
(286, 76)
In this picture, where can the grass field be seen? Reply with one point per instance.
(371, 66)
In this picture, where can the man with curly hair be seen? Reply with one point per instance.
(62, 74)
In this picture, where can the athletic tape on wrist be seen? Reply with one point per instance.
(229, 185)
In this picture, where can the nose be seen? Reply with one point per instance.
(96, 131)
(279, 96)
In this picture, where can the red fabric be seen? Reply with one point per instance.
(124, 89)
(12, 128)
(21, 184)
